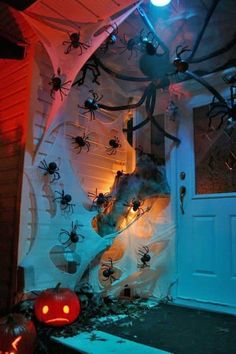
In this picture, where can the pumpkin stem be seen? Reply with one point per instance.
(56, 289)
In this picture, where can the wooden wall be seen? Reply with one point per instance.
(14, 102)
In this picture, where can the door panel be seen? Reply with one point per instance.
(206, 232)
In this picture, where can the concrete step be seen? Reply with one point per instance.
(98, 342)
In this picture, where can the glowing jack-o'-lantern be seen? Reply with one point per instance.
(17, 335)
(57, 306)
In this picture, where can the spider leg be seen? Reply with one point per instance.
(68, 49)
(87, 144)
(221, 121)
(61, 93)
(81, 49)
(52, 94)
(56, 177)
(65, 83)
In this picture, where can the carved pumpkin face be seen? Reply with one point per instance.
(57, 307)
(17, 335)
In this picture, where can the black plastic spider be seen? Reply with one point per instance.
(131, 45)
(135, 205)
(149, 42)
(114, 144)
(100, 199)
(51, 169)
(57, 85)
(108, 271)
(145, 257)
(65, 200)
(75, 43)
(223, 109)
(91, 104)
(80, 142)
(180, 64)
(111, 39)
(67, 238)
(91, 65)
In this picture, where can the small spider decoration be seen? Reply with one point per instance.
(131, 45)
(223, 109)
(100, 199)
(91, 104)
(149, 43)
(91, 65)
(57, 85)
(75, 43)
(65, 200)
(111, 39)
(114, 144)
(135, 205)
(180, 64)
(80, 142)
(67, 238)
(108, 271)
(145, 257)
(51, 169)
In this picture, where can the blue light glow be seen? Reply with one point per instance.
(160, 2)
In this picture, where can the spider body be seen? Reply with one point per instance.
(75, 43)
(180, 64)
(91, 65)
(130, 45)
(149, 43)
(69, 237)
(114, 144)
(145, 257)
(108, 271)
(135, 205)
(57, 85)
(223, 109)
(51, 169)
(111, 39)
(65, 200)
(100, 199)
(81, 142)
(91, 104)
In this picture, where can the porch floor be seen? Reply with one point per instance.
(170, 328)
(181, 330)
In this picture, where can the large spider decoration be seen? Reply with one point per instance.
(75, 43)
(57, 85)
(114, 144)
(67, 238)
(80, 141)
(65, 200)
(145, 257)
(180, 64)
(51, 169)
(108, 271)
(91, 104)
(149, 42)
(131, 45)
(136, 205)
(222, 109)
(100, 199)
(91, 65)
(111, 39)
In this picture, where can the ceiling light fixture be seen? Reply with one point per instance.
(160, 2)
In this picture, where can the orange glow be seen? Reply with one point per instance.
(59, 319)
(66, 309)
(16, 341)
(45, 309)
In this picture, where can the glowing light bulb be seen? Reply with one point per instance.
(160, 2)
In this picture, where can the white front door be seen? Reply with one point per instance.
(206, 221)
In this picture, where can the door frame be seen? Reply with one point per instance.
(194, 95)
